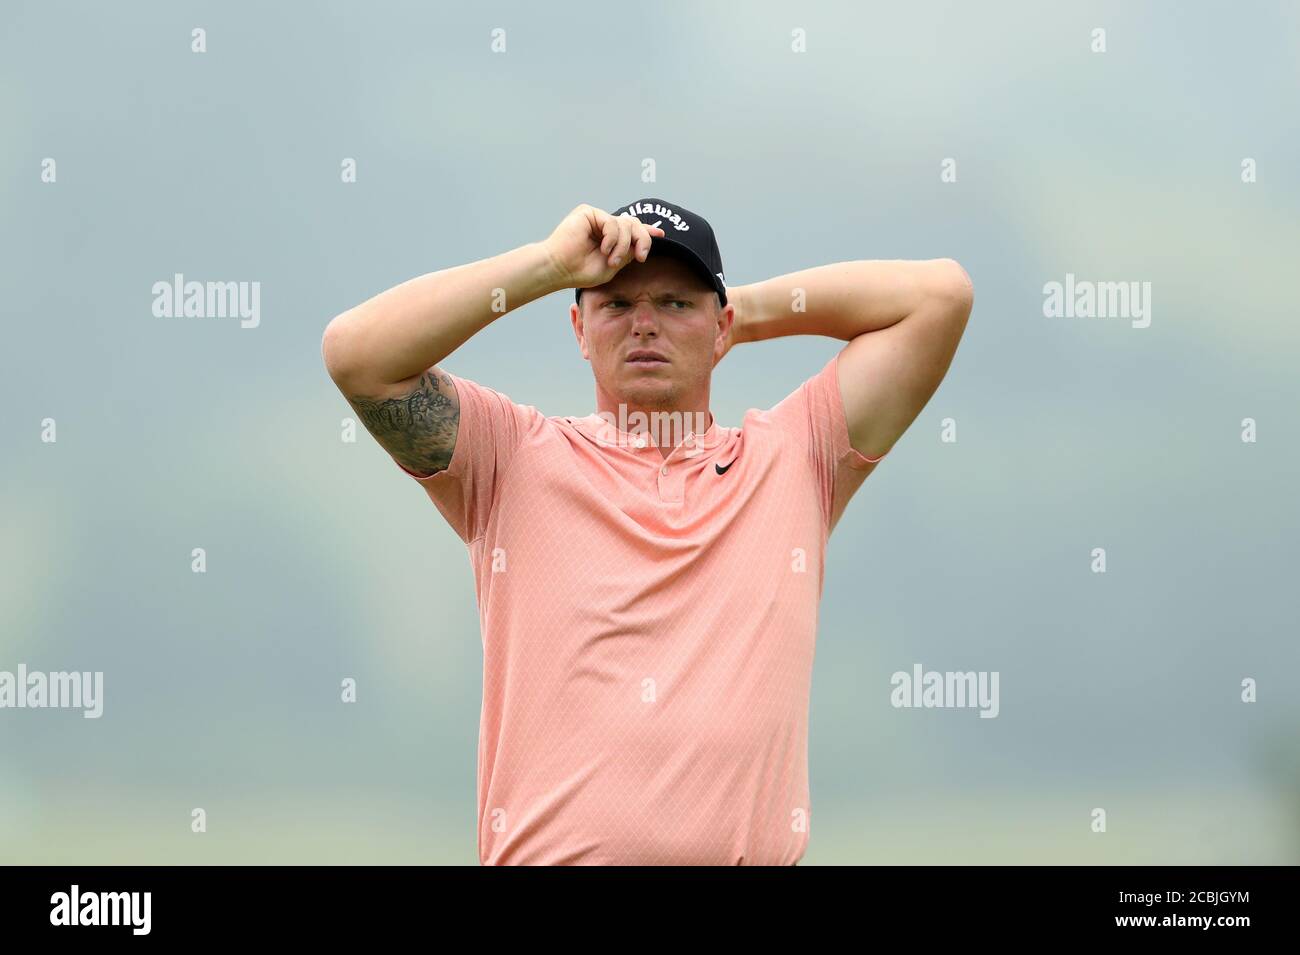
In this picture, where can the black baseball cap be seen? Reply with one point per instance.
(687, 236)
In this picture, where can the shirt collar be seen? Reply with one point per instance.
(604, 431)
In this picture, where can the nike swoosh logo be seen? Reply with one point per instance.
(723, 470)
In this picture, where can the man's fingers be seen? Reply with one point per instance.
(643, 240)
(621, 236)
(655, 232)
(619, 255)
(609, 231)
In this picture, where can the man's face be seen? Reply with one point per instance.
(660, 306)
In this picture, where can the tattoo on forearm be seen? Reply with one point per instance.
(419, 428)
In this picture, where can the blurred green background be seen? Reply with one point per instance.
(1119, 691)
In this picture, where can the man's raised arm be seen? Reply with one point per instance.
(383, 354)
(902, 320)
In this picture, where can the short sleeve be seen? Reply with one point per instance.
(490, 432)
(813, 418)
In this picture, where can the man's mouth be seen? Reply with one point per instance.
(643, 357)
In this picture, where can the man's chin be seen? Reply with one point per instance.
(647, 393)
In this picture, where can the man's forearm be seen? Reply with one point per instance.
(399, 333)
(842, 300)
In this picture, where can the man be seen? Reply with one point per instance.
(647, 578)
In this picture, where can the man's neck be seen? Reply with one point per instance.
(667, 428)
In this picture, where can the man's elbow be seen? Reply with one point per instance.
(954, 287)
(336, 351)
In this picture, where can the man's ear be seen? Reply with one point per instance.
(726, 333)
(726, 318)
(575, 317)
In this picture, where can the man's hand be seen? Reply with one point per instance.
(590, 246)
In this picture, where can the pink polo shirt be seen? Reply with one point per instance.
(648, 627)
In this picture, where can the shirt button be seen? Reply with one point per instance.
(664, 469)
(690, 440)
(640, 442)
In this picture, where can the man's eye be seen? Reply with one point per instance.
(678, 303)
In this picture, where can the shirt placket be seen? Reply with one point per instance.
(672, 470)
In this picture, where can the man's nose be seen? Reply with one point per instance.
(644, 320)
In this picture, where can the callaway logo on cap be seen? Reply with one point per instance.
(687, 236)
